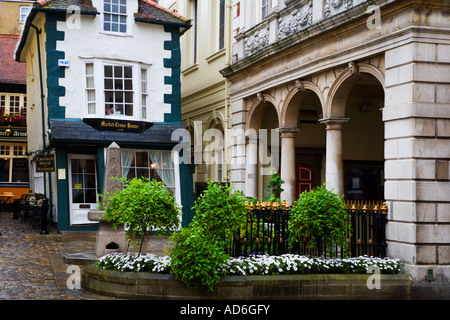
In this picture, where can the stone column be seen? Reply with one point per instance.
(251, 168)
(334, 169)
(288, 163)
(237, 144)
(109, 240)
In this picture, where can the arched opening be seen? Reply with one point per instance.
(355, 134)
(363, 141)
(269, 150)
(214, 151)
(112, 246)
(262, 146)
(310, 144)
(301, 118)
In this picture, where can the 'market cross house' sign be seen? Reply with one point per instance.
(103, 124)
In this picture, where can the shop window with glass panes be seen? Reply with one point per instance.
(152, 164)
(13, 104)
(13, 163)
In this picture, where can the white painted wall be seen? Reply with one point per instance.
(142, 45)
(34, 108)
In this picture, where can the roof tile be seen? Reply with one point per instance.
(11, 71)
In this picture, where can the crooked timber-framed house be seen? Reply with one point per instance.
(98, 72)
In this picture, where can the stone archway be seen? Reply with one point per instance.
(302, 137)
(215, 150)
(340, 88)
(338, 114)
(290, 109)
(263, 118)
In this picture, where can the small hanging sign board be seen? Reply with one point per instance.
(45, 162)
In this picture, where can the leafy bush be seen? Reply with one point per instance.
(274, 188)
(320, 213)
(196, 258)
(142, 204)
(198, 251)
(218, 211)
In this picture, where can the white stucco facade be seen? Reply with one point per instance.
(85, 41)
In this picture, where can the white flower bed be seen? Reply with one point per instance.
(257, 265)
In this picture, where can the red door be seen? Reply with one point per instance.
(304, 178)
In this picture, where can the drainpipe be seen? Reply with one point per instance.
(38, 31)
(228, 57)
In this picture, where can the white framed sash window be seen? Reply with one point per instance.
(116, 89)
(161, 165)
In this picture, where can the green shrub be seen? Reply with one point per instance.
(198, 252)
(196, 259)
(218, 211)
(274, 188)
(141, 205)
(320, 213)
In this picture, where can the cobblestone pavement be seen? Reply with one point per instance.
(32, 266)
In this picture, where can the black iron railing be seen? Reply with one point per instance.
(266, 231)
(368, 223)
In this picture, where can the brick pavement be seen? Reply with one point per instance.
(32, 266)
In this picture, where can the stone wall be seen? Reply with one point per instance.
(417, 152)
(320, 286)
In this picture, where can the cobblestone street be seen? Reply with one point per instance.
(32, 266)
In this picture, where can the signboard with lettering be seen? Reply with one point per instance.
(103, 124)
(13, 133)
(45, 162)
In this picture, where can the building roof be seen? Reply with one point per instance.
(150, 11)
(84, 5)
(11, 71)
(64, 132)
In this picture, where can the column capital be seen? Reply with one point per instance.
(334, 120)
(334, 123)
(251, 137)
(288, 132)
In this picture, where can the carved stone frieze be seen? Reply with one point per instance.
(257, 41)
(336, 4)
(298, 20)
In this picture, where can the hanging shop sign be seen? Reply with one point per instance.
(103, 124)
(45, 162)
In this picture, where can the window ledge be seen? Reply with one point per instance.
(216, 55)
(190, 69)
(118, 34)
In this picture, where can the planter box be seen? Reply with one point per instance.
(317, 286)
(108, 240)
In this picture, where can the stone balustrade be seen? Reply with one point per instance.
(287, 19)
